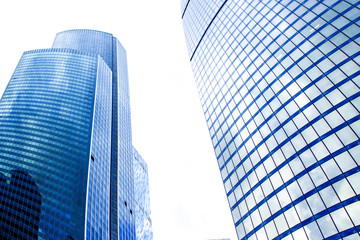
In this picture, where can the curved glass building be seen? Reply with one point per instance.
(51, 126)
(279, 85)
(66, 154)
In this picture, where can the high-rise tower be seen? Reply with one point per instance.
(121, 174)
(66, 152)
(279, 86)
(143, 222)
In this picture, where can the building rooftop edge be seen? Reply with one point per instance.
(85, 30)
(65, 50)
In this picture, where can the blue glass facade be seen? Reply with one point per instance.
(279, 85)
(121, 189)
(142, 199)
(47, 133)
(66, 155)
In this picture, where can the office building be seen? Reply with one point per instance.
(143, 222)
(66, 153)
(122, 223)
(279, 85)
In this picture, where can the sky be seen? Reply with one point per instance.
(187, 197)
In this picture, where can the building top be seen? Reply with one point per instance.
(85, 31)
(63, 50)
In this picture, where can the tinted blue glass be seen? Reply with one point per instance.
(125, 150)
(142, 199)
(121, 174)
(279, 85)
(66, 161)
(98, 194)
(46, 127)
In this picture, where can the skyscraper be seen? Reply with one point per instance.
(143, 222)
(121, 174)
(66, 152)
(279, 85)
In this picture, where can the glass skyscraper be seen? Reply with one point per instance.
(66, 155)
(279, 82)
(142, 199)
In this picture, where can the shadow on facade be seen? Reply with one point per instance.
(20, 206)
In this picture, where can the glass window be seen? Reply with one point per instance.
(299, 234)
(335, 97)
(301, 100)
(312, 92)
(311, 112)
(261, 234)
(291, 108)
(333, 143)
(278, 157)
(349, 68)
(253, 179)
(338, 56)
(284, 197)
(256, 219)
(280, 135)
(345, 162)
(289, 128)
(260, 171)
(339, 39)
(238, 193)
(329, 196)
(354, 182)
(307, 158)
(292, 217)
(231, 199)
(346, 135)
(316, 204)
(355, 126)
(353, 211)
(303, 210)
(240, 230)
(317, 175)
(267, 187)
(284, 96)
(331, 169)
(273, 204)
(326, 226)
(281, 224)
(245, 185)
(321, 127)
(286, 173)
(315, 55)
(319, 150)
(314, 73)
(336, 76)
(349, 89)
(236, 214)
(343, 189)
(324, 84)
(264, 211)
(294, 190)
(296, 165)
(341, 219)
(309, 134)
(234, 179)
(313, 231)
(276, 180)
(271, 143)
(305, 183)
(271, 230)
(248, 225)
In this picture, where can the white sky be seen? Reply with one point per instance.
(169, 130)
